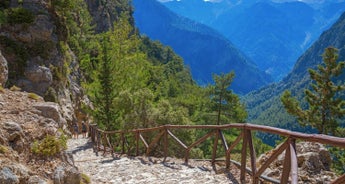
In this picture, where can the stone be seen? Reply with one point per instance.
(12, 127)
(8, 177)
(36, 180)
(50, 110)
(3, 70)
(39, 79)
(66, 175)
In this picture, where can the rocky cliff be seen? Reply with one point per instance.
(25, 122)
(36, 57)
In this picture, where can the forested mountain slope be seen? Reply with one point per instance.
(273, 33)
(204, 50)
(264, 105)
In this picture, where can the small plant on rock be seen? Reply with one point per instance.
(15, 88)
(49, 146)
(33, 96)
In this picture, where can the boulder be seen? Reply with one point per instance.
(8, 177)
(36, 180)
(313, 160)
(3, 70)
(50, 110)
(66, 175)
(38, 79)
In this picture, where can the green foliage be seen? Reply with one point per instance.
(19, 15)
(4, 4)
(15, 88)
(226, 104)
(2, 90)
(325, 108)
(50, 95)
(85, 179)
(33, 96)
(41, 48)
(3, 149)
(3, 18)
(49, 146)
(17, 50)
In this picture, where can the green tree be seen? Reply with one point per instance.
(104, 111)
(325, 107)
(226, 104)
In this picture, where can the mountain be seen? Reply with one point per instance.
(264, 105)
(203, 49)
(272, 33)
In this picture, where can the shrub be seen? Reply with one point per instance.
(49, 146)
(50, 95)
(3, 149)
(20, 16)
(85, 179)
(33, 96)
(15, 88)
(2, 90)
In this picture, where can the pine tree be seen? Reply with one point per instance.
(104, 112)
(225, 102)
(325, 107)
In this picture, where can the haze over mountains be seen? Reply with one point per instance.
(203, 49)
(273, 33)
(264, 106)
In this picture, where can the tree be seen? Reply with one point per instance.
(325, 106)
(224, 102)
(104, 111)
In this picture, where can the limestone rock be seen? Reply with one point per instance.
(50, 110)
(66, 175)
(313, 161)
(3, 70)
(36, 180)
(8, 177)
(39, 79)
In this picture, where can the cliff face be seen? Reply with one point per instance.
(32, 42)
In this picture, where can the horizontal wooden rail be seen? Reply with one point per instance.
(105, 140)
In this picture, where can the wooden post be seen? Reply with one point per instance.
(123, 142)
(137, 142)
(166, 142)
(287, 164)
(294, 164)
(215, 145)
(244, 157)
(252, 155)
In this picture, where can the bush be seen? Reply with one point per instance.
(15, 88)
(49, 146)
(33, 96)
(20, 16)
(2, 90)
(85, 179)
(3, 149)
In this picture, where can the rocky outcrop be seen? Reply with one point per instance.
(3, 70)
(23, 121)
(314, 162)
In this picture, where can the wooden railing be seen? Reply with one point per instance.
(108, 141)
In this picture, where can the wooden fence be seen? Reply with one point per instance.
(105, 141)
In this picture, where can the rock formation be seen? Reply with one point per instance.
(24, 120)
(314, 162)
(3, 70)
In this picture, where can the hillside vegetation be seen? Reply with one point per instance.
(204, 50)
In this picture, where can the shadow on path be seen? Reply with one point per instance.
(84, 147)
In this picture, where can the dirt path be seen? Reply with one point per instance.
(144, 170)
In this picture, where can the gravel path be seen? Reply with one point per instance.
(143, 170)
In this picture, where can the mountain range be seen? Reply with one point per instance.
(273, 33)
(203, 49)
(264, 105)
